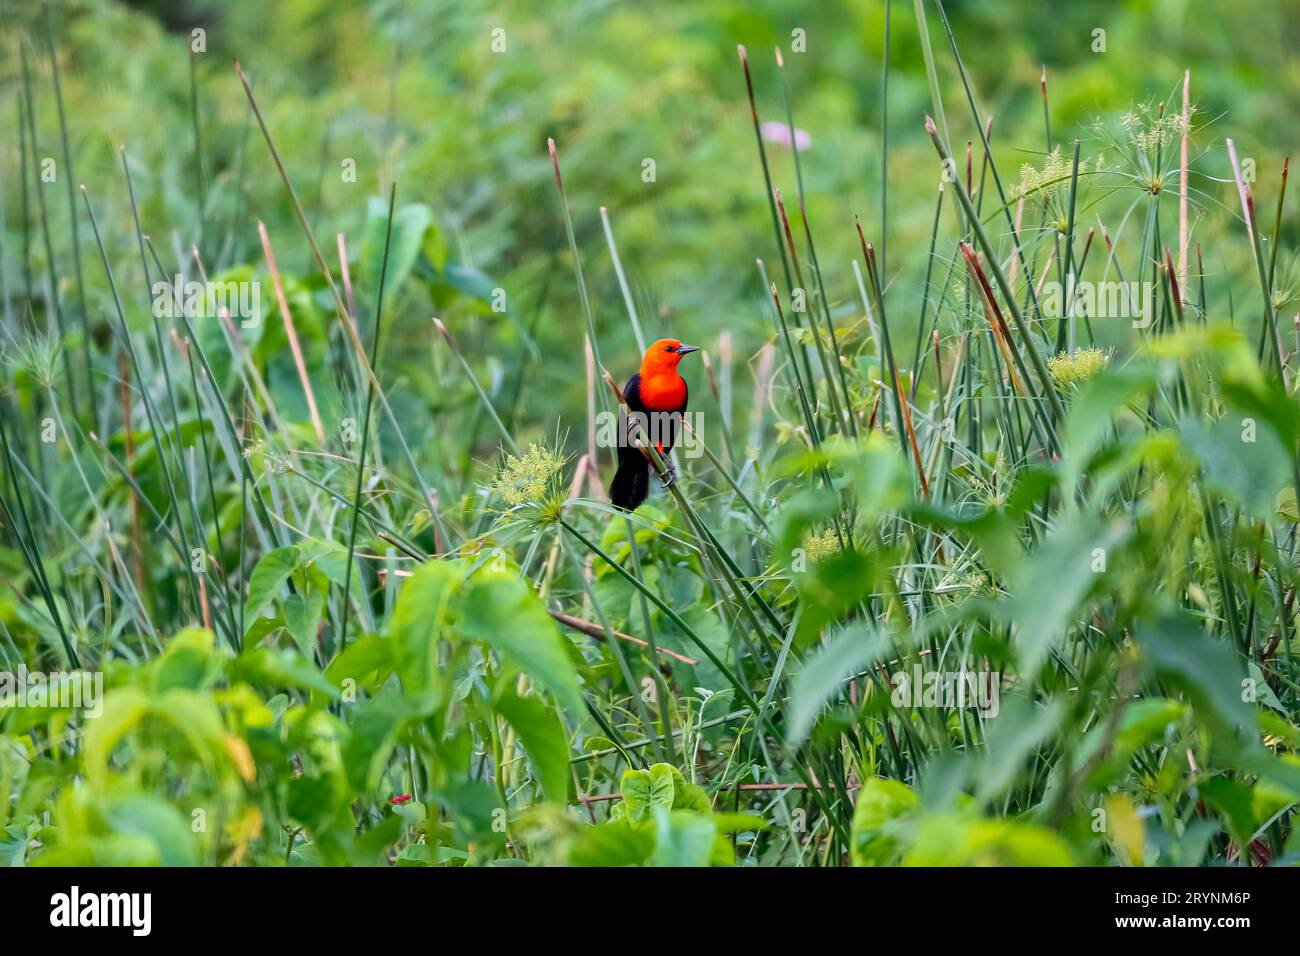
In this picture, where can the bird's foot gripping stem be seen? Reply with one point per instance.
(669, 476)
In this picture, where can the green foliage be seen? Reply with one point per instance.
(661, 820)
(950, 580)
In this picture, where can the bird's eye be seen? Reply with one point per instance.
(668, 348)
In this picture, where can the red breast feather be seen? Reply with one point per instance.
(663, 393)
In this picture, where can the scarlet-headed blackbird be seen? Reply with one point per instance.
(656, 399)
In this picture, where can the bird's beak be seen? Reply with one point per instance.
(686, 349)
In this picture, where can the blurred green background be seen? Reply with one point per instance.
(414, 92)
(454, 104)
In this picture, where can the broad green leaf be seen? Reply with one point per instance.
(1241, 460)
(1235, 801)
(1272, 795)
(1279, 776)
(302, 614)
(267, 578)
(824, 672)
(830, 587)
(415, 854)
(274, 667)
(689, 796)
(644, 790)
(1143, 723)
(612, 844)
(1264, 694)
(1206, 669)
(189, 661)
(1091, 413)
(376, 726)
(420, 618)
(329, 558)
(124, 708)
(995, 530)
(311, 801)
(875, 836)
(469, 281)
(372, 845)
(1286, 505)
(260, 627)
(409, 226)
(1054, 579)
(541, 732)
(159, 822)
(435, 247)
(14, 845)
(1011, 738)
(367, 655)
(951, 840)
(501, 610)
(879, 474)
(738, 822)
(195, 716)
(1250, 395)
(476, 810)
(682, 838)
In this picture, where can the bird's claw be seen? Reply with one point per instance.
(669, 477)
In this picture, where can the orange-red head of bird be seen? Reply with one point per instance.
(660, 387)
(662, 357)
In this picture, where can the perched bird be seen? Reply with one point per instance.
(656, 397)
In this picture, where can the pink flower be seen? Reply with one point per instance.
(780, 133)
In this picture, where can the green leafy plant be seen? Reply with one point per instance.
(949, 576)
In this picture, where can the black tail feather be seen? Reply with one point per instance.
(631, 482)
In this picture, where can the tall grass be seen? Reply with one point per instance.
(347, 648)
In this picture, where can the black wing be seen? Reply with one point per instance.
(632, 393)
(662, 427)
(627, 433)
